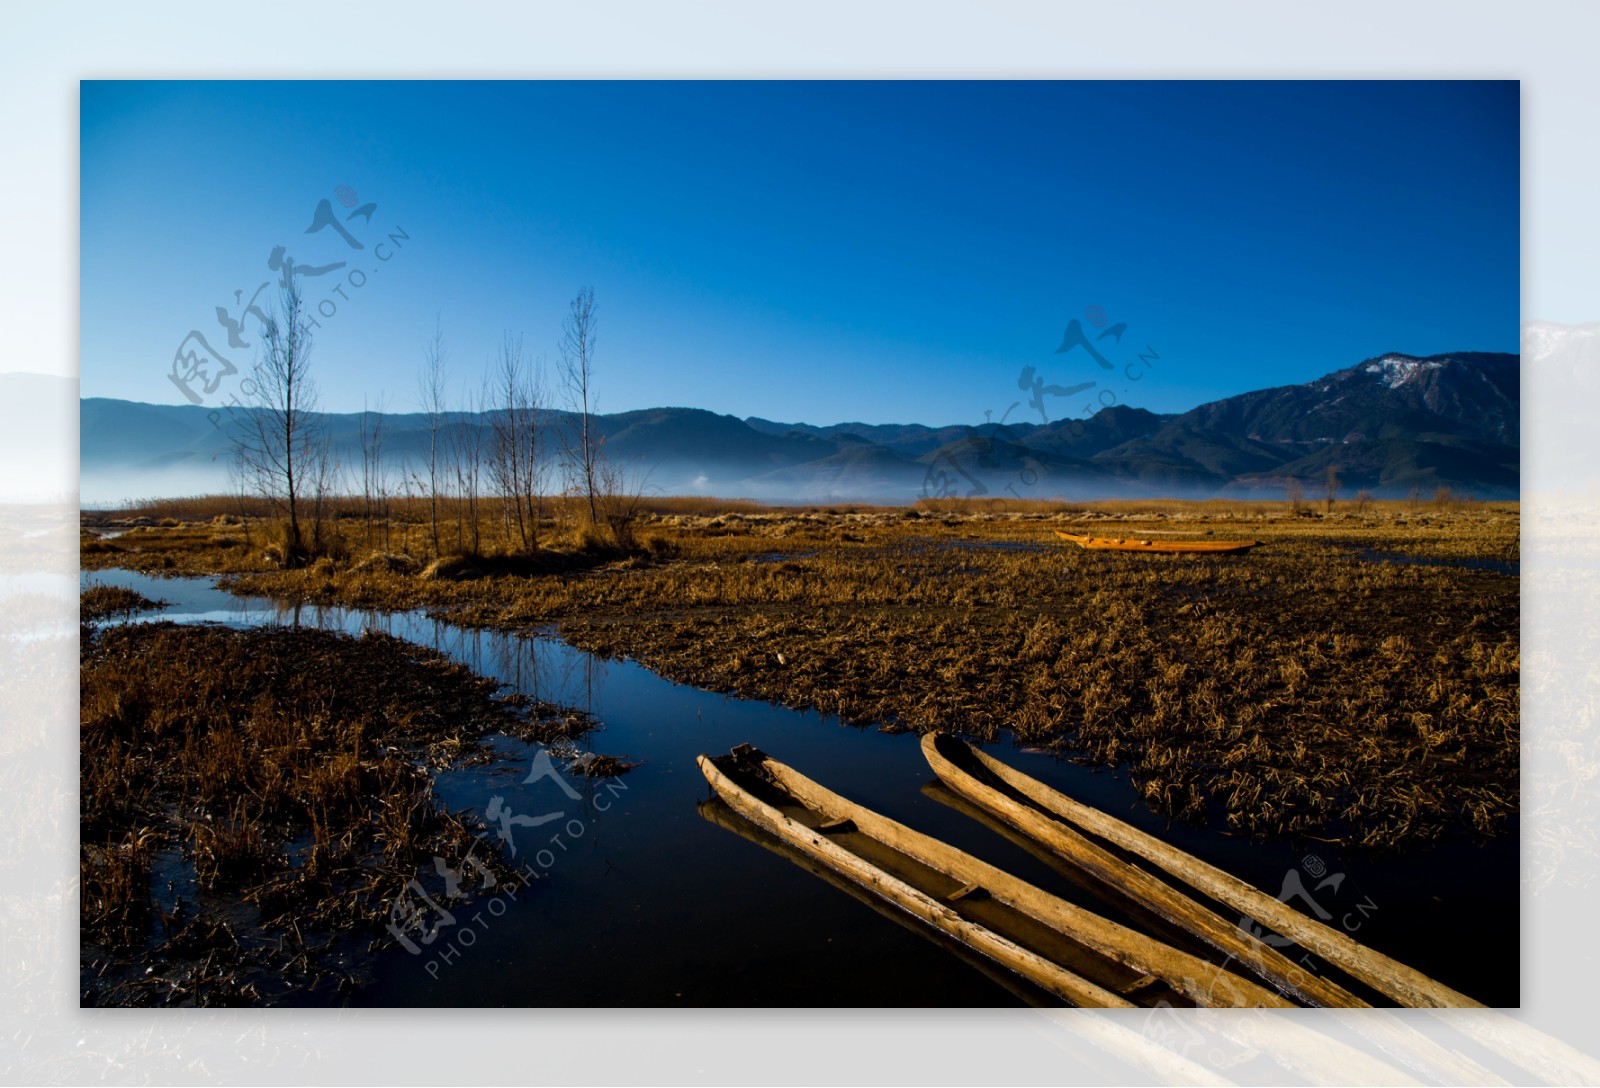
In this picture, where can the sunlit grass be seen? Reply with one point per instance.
(286, 770)
(1325, 684)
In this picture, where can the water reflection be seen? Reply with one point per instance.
(535, 663)
(651, 905)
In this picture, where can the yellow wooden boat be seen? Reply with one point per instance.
(1150, 544)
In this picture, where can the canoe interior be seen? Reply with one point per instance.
(980, 909)
(1136, 912)
(1113, 904)
(716, 811)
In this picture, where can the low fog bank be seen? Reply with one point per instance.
(110, 487)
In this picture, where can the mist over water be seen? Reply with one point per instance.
(1392, 427)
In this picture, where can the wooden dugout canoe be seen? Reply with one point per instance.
(954, 762)
(1129, 911)
(1068, 951)
(1313, 1052)
(1150, 544)
(717, 811)
(1392, 1035)
(1055, 820)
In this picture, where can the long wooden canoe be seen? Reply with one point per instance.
(1054, 944)
(1124, 909)
(717, 811)
(1294, 1044)
(1055, 820)
(1385, 1029)
(1253, 955)
(1151, 544)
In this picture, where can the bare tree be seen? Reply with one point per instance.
(516, 463)
(577, 378)
(536, 478)
(1363, 500)
(373, 505)
(623, 496)
(466, 446)
(1330, 490)
(243, 486)
(431, 386)
(1295, 492)
(321, 476)
(279, 439)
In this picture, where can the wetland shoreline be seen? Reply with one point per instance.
(253, 799)
(1426, 898)
(1295, 691)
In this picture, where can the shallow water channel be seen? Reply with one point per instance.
(644, 902)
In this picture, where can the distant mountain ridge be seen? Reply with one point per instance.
(1389, 424)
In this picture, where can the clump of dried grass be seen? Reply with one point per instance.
(1313, 686)
(280, 763)
(100, 602)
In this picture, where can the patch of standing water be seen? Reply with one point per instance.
(1497, 566)
(780, 557)
(640, 901)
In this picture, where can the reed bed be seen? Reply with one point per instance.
(276, 781)
(99, 602)
(1354, 679)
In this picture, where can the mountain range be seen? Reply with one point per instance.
(1390, 424)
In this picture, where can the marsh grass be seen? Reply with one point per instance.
(998, 506)
(232, 851)
(99, 602)
(1317, 686)
(286, 769)
(114, 888)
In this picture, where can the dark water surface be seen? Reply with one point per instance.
(644, 902)
(1496, 566)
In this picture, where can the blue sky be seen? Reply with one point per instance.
(884, 252)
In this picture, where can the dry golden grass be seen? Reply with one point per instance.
(999, 506)
(114, 889)
(281, 765)
(101, 602)
(1326, 684)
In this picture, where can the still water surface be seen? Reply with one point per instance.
(643, 902)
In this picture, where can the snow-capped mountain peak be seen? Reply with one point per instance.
(1396, 370)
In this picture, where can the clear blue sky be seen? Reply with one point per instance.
(884, 252)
